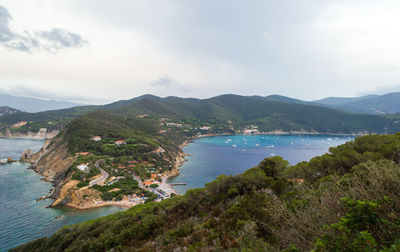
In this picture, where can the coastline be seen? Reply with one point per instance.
(279, 132)
(179, 160)
(123, 203)
(41, 135)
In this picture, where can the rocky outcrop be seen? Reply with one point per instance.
(72, 196)
(41, 134)
(53, 162)
(5, 110)
(26, 155)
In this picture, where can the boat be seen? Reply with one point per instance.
(3, 161)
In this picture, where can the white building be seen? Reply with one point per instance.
(83, 167)
(96, 138)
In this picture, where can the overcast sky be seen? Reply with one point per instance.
(99, 50)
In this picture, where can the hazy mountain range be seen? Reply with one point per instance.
(369, 104)
(33, 105)
(227, 111)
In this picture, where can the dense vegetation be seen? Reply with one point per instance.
(226, 113)
(145, 151)
(350, 201)
(268, 114)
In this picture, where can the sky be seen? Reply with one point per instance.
(97, 51)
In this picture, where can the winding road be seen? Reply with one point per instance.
(104, 176)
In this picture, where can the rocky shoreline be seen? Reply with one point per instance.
(43, 134)
(52, 162)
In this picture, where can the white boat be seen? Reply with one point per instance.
(3, 161)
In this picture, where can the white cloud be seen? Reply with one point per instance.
(51, 40)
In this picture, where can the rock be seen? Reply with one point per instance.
(26, 155)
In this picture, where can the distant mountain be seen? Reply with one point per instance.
(4, 110)
(33, 105)
(371, 104)
(341, 100)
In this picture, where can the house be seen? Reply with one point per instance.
(205, 128)
(82, 154)
(176, 125)
(147, 183)
(96, 138)
(159, 150)
(142, 115)
(83, 167)
(119, 142)
(297, 180)
(153, 176)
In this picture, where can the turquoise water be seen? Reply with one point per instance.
(230, 155)
(22, 219)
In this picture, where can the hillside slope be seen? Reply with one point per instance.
(353, 206)
(224, 112)
(267, 114)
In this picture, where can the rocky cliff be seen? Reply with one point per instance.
(52, 162)
(41, 134)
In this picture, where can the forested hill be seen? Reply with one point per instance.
(267, 114)
(347, 200)
(229, 112)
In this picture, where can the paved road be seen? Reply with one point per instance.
(139, 180)
(101, 179)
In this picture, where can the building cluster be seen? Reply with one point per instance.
(139, 199)
(250, 129)
(19, 124)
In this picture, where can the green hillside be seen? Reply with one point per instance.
(265, 113)
(349, 201)
(226, 113)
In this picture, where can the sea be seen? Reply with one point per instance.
(210, 157)
(22, 218)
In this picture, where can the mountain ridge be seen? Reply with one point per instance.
(33, 105)
(225, 112)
